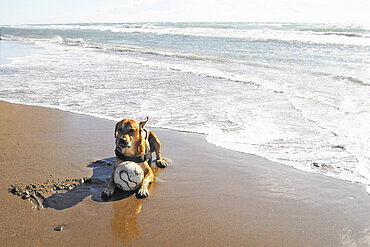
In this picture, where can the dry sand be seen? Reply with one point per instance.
(208, 196)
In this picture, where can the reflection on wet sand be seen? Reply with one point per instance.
(124, 221)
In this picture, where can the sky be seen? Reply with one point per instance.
(13, 12)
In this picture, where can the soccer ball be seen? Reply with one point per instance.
(128, 176)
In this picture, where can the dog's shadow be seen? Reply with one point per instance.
(94, 186)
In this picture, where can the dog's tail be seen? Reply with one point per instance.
(142, 123)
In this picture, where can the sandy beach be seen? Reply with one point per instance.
(208, 196)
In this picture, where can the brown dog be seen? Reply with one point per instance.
(134, 143)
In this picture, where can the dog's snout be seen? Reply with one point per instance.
(123, 141)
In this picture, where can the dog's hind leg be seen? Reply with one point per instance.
(155, 146)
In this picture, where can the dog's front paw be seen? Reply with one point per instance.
(143, 192)
(107, 193)
(161, 163)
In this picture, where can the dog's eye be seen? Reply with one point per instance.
(131, 131)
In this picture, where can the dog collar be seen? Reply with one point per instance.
(137, 159)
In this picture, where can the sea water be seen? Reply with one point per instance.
(296, 94)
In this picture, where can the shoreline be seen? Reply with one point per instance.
(316, 161)
(208, 196)
(104, 118)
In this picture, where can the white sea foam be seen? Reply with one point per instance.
(310, 35)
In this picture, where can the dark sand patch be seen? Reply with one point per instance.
(37, 193)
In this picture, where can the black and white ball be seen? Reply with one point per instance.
(128, 176)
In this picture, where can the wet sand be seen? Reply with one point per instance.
(208, 196)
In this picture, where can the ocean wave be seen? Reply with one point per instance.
(352, 80)
(351, 35)
(358, 28)
(137, 55)
(181, 66)
(342, 36)
(264, 34)
(121, 48)
(68, 41)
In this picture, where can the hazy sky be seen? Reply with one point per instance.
(67, 11)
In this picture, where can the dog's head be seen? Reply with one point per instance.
(128, 132)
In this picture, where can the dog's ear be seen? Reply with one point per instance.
(116, 130)
(142, 123)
